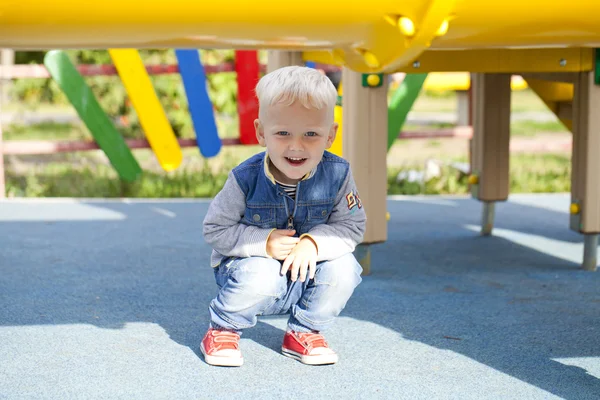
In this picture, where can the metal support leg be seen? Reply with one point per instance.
(590, 252)
(363, 256)
(487, 217)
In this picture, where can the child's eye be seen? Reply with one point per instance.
(312, 134)
(283, 133)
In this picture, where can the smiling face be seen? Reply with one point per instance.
(295, 138)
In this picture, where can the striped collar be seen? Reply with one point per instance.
(272, 178)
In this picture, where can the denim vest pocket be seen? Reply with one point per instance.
(263, 217)
(319, 214)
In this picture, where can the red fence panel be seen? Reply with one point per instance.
(247, 68)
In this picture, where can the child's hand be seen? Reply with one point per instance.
(280, 243)
(302, 258)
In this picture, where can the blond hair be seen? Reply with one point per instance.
(290, 84)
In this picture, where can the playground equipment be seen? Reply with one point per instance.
(82, 98)
(155, 125)
(549, 45)
(199, 104)
(152, 117)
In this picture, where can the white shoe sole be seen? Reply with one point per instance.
(320, 359)
(222, 361)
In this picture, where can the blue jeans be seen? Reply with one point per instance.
(251, 287)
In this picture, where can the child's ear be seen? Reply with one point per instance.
(260, 133)
(332, 134)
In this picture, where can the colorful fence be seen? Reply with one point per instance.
(159, 135)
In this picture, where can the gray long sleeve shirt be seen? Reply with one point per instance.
(225, 230)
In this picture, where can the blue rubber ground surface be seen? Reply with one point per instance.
(108, 300)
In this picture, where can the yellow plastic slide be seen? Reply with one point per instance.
(367, 36)
(154, 121)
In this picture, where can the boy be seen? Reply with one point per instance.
(285, 224)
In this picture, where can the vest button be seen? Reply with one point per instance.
(324, 212)
(256, 217)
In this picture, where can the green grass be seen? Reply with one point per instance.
(521, 101)
(529, 174)
(532, 128)
(435, 102)
(46, 131)
(526, 100)
(40, 107)
(434, 143)
(101, 181)
(68, 131)
(87, 174)
(427, 127)
(538, 173)
(527, 128)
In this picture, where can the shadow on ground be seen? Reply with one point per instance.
(517, 303)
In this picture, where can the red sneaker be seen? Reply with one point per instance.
(308, 348)
(221, 348)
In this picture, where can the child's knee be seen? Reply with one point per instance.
(344, 273)
(261, 276)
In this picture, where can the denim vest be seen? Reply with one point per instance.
(268, 206)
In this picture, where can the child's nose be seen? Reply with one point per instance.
(296, 144)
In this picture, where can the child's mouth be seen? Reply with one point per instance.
(295, 161)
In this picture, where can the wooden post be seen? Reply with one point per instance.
(2, 183)
(7, 59)
(462, 107)
(490, 144)
(585, 185)
(365, 147)
(279, 59)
